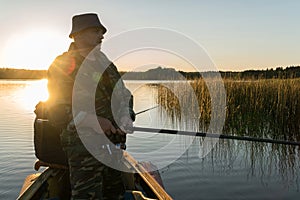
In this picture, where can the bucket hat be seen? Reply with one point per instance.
(84, 21)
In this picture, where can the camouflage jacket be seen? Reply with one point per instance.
(77, 84)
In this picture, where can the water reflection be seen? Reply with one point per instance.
(17, 101)
(26, 94)
(34, 92)
(266, 162)
(235, 169)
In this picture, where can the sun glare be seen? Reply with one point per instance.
(34, 49)
(34, 92)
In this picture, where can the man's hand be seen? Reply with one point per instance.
(106, 126)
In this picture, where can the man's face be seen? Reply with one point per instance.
(89, 38)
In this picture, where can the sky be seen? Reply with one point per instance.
(236, 35)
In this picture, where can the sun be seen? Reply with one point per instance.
(34, 49)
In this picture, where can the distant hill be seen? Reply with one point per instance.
(161, 73)
(158, 73)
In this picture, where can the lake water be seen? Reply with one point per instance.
(231, 170)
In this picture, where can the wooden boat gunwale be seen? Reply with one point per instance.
(151, 182)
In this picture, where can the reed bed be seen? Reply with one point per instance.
(261, 108)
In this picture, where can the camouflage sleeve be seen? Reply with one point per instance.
(125, 96)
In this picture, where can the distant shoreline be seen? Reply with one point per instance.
(9, 73)
(161, 73)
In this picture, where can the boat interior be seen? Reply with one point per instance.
(53, 183)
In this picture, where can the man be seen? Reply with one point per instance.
(70, 79)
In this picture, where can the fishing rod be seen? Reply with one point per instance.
(214, 135)
(145, 110)
(211, 135)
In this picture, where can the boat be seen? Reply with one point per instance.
(53, 182)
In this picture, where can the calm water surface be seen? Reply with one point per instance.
(232, 170)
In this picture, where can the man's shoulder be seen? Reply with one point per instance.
(64, 58)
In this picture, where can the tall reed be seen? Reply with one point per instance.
(265, 107)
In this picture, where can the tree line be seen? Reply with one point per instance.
(9, 73)
(277, 73)
(161, 73)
